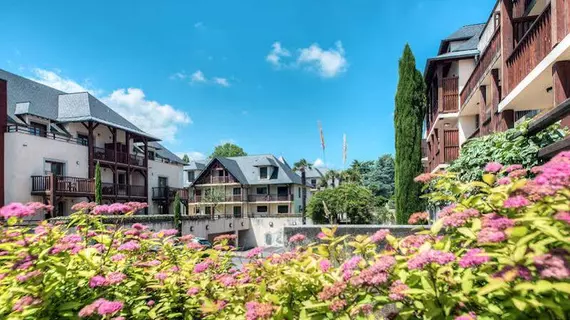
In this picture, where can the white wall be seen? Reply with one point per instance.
(265, 232)
(466, 127)
(465, 68)
(172, 171)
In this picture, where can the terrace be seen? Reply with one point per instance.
(65, 186)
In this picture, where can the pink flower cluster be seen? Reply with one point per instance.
(131, 245)
(473, 258)
(379, 235)
(84, 206)
(516, 202)
(297, 238)
(332, 291)
(325, 265)
(398, 291)
(556, 172)
(27, 276)
(493, 220)
(102, 307)
(504, 181)
(376, 274)
(493, 167)
(23, 302)
(349, 266)
(491, 235)
(193, 291)
(425, 177)
(19, 210)
(414, 241)
(111, 279)
(225, 237)
(254, 252)
(516, 174)
(510, 273)
(256, 310)
(364, 309)
(513, 167)
(417, 217)
(563, 216)
(337, 305)
(450, 209)
(553, 265)
(115, 208)
(430, 256)
(469, 316)
(202, 266)
(458, 219)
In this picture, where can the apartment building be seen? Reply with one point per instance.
(250, 186)
(314, 177)
(52, 140)
(521, 67)
(192, 170)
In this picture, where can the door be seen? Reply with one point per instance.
(122, 183)
(237, 212)
(282, 193)
(162, 184)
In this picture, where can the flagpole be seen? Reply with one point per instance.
(322, 142)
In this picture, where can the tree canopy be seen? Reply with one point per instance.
(408, 118)
(228, 150)
(349, 201)
(185, 158)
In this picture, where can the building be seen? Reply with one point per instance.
(166, 178)
(52, 140)
(521, 68)
(192, 170)
(314, 177)
(247, 186)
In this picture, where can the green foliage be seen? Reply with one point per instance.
(521, 272)
(348, 201)
(185, 158)
(98, 187)
(509, 147)
(228, 150)
(177, 213)
(302, 164)
(378, 176)
(408, 117)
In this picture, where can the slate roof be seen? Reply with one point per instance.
(466, 32)
(313, 172)
(162, 152)
(195, 165)
(246, 169)
(26, 96)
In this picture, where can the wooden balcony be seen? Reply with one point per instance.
(269, 197)
(230, 198)
(530, 50)
(485, 60)
(212, 179)
(444, 151)
(450, 95)
(82, 187)
(110, 156)
(543, 121)
(169, 193)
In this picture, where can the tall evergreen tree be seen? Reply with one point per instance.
(177, 213)
(408, 118)
(98, 187)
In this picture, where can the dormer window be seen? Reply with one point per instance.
(263, 173)
(151, 155)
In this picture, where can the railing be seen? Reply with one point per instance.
(137, 191)
(475, 134)
(216, 179)
(521, 26)
(450, 145)
(530, 50)
(543, 121)
(485, 59)
(110, 155)
(104, 154)
(41, 183)
(230, 198)
(450, 94)
(63, 185)
(163, 193)
(43, 134)
(269, 197)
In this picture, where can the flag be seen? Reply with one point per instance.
(322, 136)
(344, 149)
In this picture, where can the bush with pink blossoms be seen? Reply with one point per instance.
(481, 259)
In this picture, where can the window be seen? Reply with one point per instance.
(314, 182)
(283, 209)
(38, 129)
(82, 139)
(237, 191)
(237, 212)
(191, 176)
(263, 173)
(208, 211)
(282, 191)
(151, 155)
(262, 190)
(299, 192)
(262, 209)
(300, 209)
(57, 168)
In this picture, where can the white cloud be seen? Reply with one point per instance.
(193, 155)
(179, 76)
(199, 25)
(198, 76)
(328, 63)
(224, 141)
(319, 163)
(274, 57)
(160, 120)
(221, 81)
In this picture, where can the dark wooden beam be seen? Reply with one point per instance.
(549, 118)
(553, 149)
(91, 149)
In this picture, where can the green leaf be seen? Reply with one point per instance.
(489, 179)
(562, 287)
(491, 287)
(436, 227)
(467, 232)
(427, 285)
(519, 303)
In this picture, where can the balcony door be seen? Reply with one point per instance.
(162, 184)
(122, 182)
(57, 168)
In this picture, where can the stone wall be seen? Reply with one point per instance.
(311, 231)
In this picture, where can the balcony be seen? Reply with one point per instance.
(445, 151)
(217, 180)
(445, 101)
(269, 198)
(169, 193)
(230, 198)
(530, 50)
(43, 134)
(82, 187)
(486, 59)
(109, 155)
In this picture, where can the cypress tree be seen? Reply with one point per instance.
(98, 187)
(177, 213)
(408, 118)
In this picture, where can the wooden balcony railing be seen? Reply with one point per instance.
(269, 197)
(43, 134)
(109, 155)
(169, 193)
(216, 179)
(450, 94)
(543, 121)
(445, 152)
(485, 60)
(75, 186)
(531, 49)
(230, 198)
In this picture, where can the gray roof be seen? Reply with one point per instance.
(162, 152)
(245, 170)
(313, 172)
(26, 96)
(195, 165)
(466, 32)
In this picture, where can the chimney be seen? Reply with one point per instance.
(3, 123)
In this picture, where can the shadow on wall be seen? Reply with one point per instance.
(268, 231)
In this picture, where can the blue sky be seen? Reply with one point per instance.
(257, 73)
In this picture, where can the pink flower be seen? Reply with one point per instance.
(553, 265)
(430, 256)
(150, 303)
(254, 252)
(364, 309)
(27, 276)
(118, 257)
(504, 181)
(256, 310)
(418, 217)
(129, 246)
(115, 278)
(473, 258)
(84, 206)
(397, 291)
(23, 302)
(109, 307)
(513, 167)
(563, 216)
(139, 226)
(194, 246)
(516, 202)
(325, 265)
(227, 280)
(161, 276)
(447, 211)
(225, 237)
(510, 273)
(379, 235)
(97, 281)
(337, 305)
(17, 210)
(495, 221)
(470, 316)
(168, 232)
(297, 238)
(491, 235)
(518, 174)
(493, 167)
(201, 267)
(332, 291)
(376, 274)
(458, 219)
(193, 291)
(425, 177)
(321, 235)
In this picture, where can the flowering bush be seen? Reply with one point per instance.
(502, 250)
